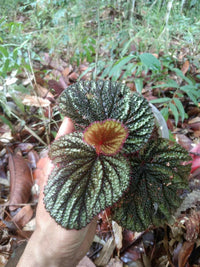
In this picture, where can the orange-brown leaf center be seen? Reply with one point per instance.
(106, 136)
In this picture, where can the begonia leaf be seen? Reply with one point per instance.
(83, 183)
(157, 176)
(89, 101)
(140, 123)
(106, 136)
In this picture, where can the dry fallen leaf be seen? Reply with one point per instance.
(23, 216)
(117, 231)
(73, 76)
(56, 86)
(43, 92)
(33, 158)
(35, 101)
(30, 226)
(115, 262)
(20, 181)
(106, 253)
(85, 262)
(25, 147)
(185, 67)
(184, 253)
(192, 226)
(184, 141)
(67, 71)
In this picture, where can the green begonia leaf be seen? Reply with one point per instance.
(87, 102)
(83, 184)
(157, 176)
(140, 123)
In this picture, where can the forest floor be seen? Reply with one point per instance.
(21, 146)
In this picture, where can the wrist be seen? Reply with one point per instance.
(36, 253)
(41, 252)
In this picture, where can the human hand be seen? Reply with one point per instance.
(51, 245)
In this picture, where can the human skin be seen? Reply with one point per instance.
(51, 245)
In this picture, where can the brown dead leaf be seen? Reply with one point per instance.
(106, 253)
(194, 111)
(197, 133)
(35, 101)
(85, 262)
(20, 181)
(130, 237)
(33, 158)
(194, 124)
(132, 254)
(115, 262)
(184, 253)
(23, 216)
(73, 76)
(64, 82)
(131, 86)
(56, 86)
(117, 231)
(194, 120)
(83, 67)
(30, 226)
(57, 64)
(170, 125)
(43, 92)
(192, 226)
(184, 141)
(67, 71)
(25, 147)
(185, 67)
(39, 80)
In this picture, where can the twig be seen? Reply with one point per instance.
(98, 40)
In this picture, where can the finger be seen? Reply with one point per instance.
(66, 127)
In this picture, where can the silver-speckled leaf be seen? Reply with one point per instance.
(83, 184)
(157, 176)
(88, 101)
(140, 122)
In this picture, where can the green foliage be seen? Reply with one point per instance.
(157, 176)
(86, 181)
(86, 102)
(86, 51)
(173, 103)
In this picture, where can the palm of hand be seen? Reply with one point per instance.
(51, 244)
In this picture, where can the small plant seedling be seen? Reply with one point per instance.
(115, 158)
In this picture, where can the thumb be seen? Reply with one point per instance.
(66, 127)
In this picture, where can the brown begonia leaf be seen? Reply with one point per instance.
(20, 181)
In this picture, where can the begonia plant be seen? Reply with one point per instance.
(115, 158)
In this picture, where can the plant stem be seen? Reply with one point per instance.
(98, 41)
